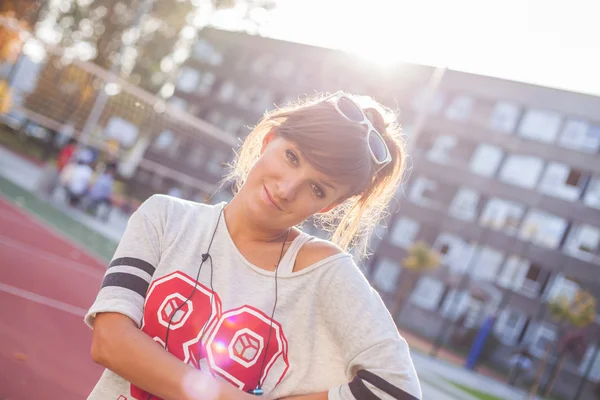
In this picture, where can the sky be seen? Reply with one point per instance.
(547, 42)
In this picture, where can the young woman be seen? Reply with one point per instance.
(243, 301)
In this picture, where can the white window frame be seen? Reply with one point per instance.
(594, 374)
(583, 234)
(486, 159)
(543, 228)
(542, 330)
(504, 215)
(521, 170)
(504, 117)
(404, 232)
(579, 135)
(441, 148)
(417, 189)
(509, 334)
(460, 108)
(459, 252)
(386, 274)
(540, 125)
(489, 261)
(554, 182)
(591, 197)
(427, 293)
(464, 204)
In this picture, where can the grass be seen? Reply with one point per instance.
(475, 393)
(71, 228)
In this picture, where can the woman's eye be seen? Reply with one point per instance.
(291, 156)
(318, 191)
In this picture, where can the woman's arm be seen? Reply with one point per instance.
(120, 346)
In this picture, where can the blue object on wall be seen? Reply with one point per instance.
(479, 342)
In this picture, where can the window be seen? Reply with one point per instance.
(562, 287)
(583, 242)
(427, 293)
(543, 228)
(489, 261)
(504, 117)
(521, 170)
(509, 325)
(540, 125)
(561, 181)
(456, 253)
(421, 192)
(485, 160)
(227, 91)
(464, 205)
(579, 135)
(503, 215)
(543, 336)
(386, 275)
(455, 304)
(460, 108)
(590, 352)
(404, 232)
(513, 273)
(188, 80)
(592, 194)
(441, 149)
(122, 130)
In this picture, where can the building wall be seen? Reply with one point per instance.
(505, 179)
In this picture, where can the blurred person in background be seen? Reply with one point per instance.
(76, 178)
(101, 191)
(237, 291)
(66, 154)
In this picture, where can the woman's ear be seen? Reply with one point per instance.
(267, 139)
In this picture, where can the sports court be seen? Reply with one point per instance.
(46, 284)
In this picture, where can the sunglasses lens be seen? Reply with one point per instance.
(350, 110)
(378, 147)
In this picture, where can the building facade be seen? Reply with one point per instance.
(504, 182)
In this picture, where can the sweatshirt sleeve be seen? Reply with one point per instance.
(378, 362)
(130, 272)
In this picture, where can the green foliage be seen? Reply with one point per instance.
(421, 258)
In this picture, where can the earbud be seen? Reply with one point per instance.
(257, 392)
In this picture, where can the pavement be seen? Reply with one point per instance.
(21, 178)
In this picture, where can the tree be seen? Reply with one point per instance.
(25, 14)
(421, 259)
(578, 314)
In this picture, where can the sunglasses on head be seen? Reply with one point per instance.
(349, 109)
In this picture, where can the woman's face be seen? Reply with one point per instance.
(283, 189)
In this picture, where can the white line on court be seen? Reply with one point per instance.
(36, 298)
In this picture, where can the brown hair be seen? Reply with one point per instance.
(336, 147)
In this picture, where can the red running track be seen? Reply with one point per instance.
(46, 284)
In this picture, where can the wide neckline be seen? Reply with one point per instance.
(280, 273)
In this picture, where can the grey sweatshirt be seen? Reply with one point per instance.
(330, 330)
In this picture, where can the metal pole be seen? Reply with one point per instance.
(438, 344)
(102, 98)
(588, 369)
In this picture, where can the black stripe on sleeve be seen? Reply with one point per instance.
(133, 262)
(383, 385)
(127, 281)
(360, 391)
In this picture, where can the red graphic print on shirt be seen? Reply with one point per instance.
(231, 344)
